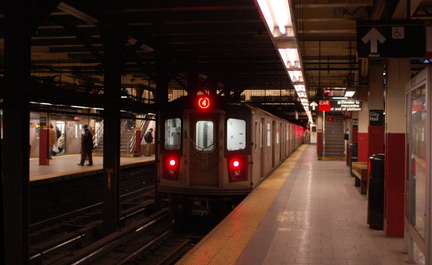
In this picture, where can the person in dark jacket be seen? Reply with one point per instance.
(148, 138)
(86, 146)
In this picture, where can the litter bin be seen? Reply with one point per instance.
(353, 155)
(375, 213)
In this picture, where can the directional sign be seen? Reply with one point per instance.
(390, 39)
(340, 105)
(373, 37)
(324, 105)
(313, 105)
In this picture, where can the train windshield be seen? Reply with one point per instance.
(173, 134)
(204, 135)
(236, 134)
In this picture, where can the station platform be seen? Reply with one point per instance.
(67, 165)
(306, 212)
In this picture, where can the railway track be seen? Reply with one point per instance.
(145, 236)
(61, 235)
(129, 244)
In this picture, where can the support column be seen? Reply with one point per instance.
(114, 41)
(162, 78)
(376, 107)
(320, 129)
(15, 143)
(162, 84)
(398, 74)
(362, 128)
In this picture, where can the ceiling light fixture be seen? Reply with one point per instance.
(277, 15)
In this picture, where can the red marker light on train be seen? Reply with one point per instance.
(171, 170)
(236, 163)
(172, 163)
(235, 169)
(204, 102)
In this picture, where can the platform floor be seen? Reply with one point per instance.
(306, 212)
(67, 164)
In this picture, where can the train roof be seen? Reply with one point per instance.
(216, 103)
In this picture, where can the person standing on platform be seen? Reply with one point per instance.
(148, 138)
(51, 140)
(86, 146)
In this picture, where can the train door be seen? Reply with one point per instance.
(61, 137)
(274, 146)
(261, 145)
(204, 150)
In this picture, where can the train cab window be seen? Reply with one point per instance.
(236, 134)
(204, 135)
(173, 134)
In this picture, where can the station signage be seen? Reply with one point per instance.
(391, 39)
(340, 105)
(376, 117)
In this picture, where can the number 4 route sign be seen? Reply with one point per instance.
(391, 39)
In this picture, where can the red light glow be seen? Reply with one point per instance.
(172, 162)
(236, 163)
(204, 102)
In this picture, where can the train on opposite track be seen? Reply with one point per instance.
(212, 152)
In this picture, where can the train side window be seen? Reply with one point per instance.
(204, 135)
(173, 134)
(268, 134)
(236, 134)
(277, 134)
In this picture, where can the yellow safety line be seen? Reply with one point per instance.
(225, 243)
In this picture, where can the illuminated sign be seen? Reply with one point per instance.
(340, 105)
(204, 102)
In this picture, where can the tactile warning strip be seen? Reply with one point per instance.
(225, 243)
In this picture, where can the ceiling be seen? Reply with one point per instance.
(220, 45)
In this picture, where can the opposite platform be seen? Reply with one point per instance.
(67, 165)
(306, 212)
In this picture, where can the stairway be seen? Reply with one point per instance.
(334, 145)
(125, 138)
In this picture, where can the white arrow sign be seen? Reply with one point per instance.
(314, 105)
(374, 36)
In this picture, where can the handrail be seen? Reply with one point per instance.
(132, 144)
(98, 133)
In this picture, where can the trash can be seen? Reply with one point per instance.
(375, 215)
(353, 155)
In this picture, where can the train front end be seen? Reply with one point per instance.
(204, 156)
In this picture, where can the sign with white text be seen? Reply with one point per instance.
(391, 39)
(340, 105)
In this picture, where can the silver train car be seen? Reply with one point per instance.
(212, 152)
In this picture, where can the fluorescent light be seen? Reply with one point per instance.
(277, 15)
(299, 88)
(301, 94)
(349, 93)
(277, 12)
(296, 76)
(267, 14)
(290, 57)
(281, 11)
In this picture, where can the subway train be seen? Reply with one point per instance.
(213, 153)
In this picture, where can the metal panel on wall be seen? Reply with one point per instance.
(418, 179)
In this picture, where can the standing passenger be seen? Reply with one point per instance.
(51, 141)
(148, 138)
(86, 146)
